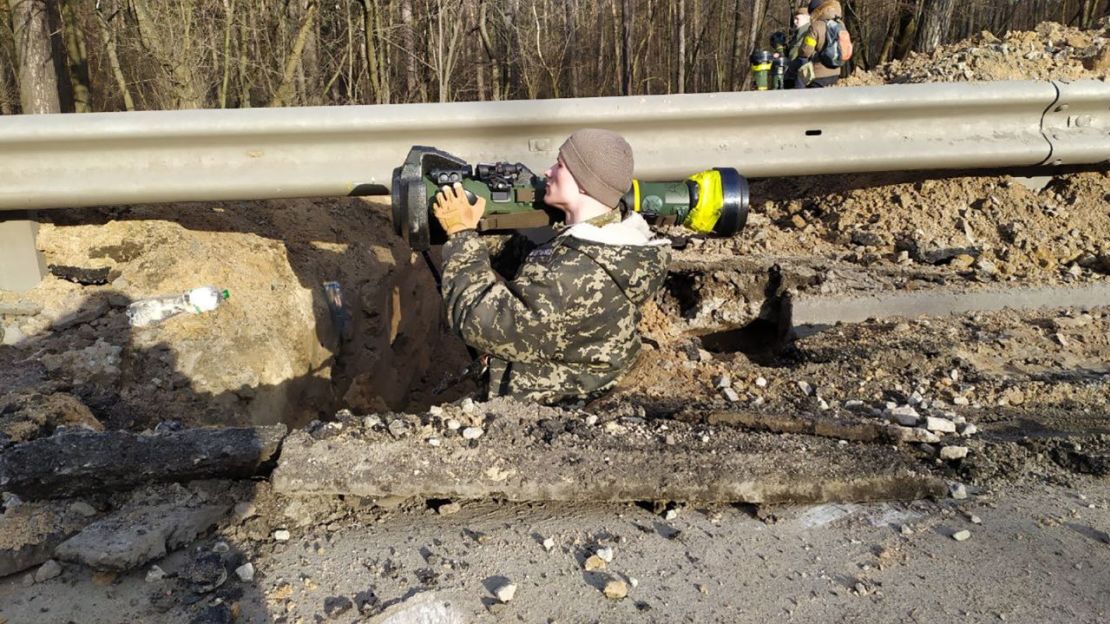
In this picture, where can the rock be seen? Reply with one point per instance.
(548, 544)
(958, 491)
(132, 537)
(960, 400)
(398, 428)
(83, 509)
(605, 554)
(47, 571)
(805, 388)
(453, 425)
(962, 536)
(281, 535)
(245, 572)
(336, 606)
(472, 433)
(905, 415)
(761, 382)
(20, 308)
(975, 519)
(11, 335)
(155, 574)
(244, 511)
(205, 572)
(371, 421)
(448, 508)
(722, 382)
(730, 395)
(615, 589)
(941, 425)
(953, 452)
(506, 592)
(594, 563)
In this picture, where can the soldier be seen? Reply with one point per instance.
(564, 325)
(812, 70)
(798, 35)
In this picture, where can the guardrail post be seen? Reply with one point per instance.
(22, 266)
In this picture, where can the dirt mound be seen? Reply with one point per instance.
(274, 352)
(1051, 52)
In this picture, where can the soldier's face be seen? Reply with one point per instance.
(562, 188)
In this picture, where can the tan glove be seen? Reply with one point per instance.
(454, 212)
(805, 73)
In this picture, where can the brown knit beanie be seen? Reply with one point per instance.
(601, 163)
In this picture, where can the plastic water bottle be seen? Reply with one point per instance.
(156, 309)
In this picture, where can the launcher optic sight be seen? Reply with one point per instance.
(711, 202)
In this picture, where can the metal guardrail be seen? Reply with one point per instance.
(66, 161)
(120, 158)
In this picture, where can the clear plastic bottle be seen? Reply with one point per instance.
(156, 309)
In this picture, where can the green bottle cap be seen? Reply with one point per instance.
(226, 294)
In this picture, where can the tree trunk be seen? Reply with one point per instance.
(680, 65)
(284, 94)
(175, 62)
(627, 15)
(108, 38)
(38, 79)
(495, 62)
(935, 22)
(78, 60)
(413, 84)
(229, 23)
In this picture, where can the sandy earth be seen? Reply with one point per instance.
(1033, 383)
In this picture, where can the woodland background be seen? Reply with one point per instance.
(112, 55)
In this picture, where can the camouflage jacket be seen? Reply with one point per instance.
(565, 325)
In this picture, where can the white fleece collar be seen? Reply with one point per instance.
(633, 230)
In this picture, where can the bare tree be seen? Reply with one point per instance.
(936, 19)
(38, 78)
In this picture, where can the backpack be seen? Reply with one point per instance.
(838, 45)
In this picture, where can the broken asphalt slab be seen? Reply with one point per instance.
(76, 462)
(540, 454)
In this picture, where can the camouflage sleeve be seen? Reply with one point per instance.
(507, 251)
(514, 320)
(809, 43)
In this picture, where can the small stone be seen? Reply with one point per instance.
(472, 433)
(448, 509)
(730, 395)
(281, 535)
(453, 424)
(805, 388)
(974, 519)
(591, 420)
(337, 606)
(961, 401)
(548, 544)
(605, 554)
(941, 425)
(616, 589)
(244, 511)
(435, 410)
(905, 415)
(83, 509)
(951, 453)
(905, 530)
(761, 382)
(433, 441)
(47, 571)
(633, 582)
(962, 536)
(722, 382)
(506, 592)
(245, 572)
(468, 406)
(155, 574)
(398, 428)
(372, 421)
(594, 563)
(958, 491)
(670, 514)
